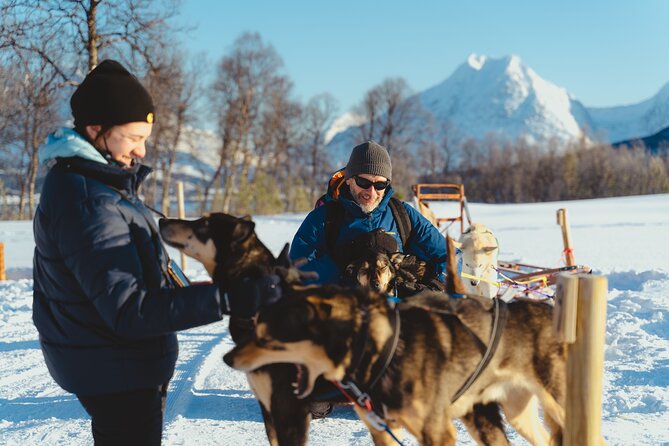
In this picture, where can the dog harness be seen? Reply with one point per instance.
(352, 391)
(500, 315)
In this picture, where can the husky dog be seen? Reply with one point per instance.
(385, 273)
(230, 251)
(342, 335)
(479, 250)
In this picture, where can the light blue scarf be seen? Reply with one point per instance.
(65, 143)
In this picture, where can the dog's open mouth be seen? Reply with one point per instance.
(301, 383)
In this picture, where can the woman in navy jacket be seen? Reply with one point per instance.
(105, 306)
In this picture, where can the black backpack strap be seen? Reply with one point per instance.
(402, 220)
(334, 218)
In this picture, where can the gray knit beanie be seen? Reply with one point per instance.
(369, 158)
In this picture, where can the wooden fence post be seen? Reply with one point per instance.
(3, 273)
(585, 361)
(181, 211)
(566, 236)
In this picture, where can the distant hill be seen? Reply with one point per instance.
(656, 144)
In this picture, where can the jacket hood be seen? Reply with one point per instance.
(67, 143)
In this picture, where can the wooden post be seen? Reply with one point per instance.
(566, 302)
(566, 236)
(181, 211)
(585, 365)
(3, 273)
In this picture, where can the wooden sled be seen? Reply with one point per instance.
(514, 279)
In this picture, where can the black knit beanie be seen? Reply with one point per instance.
(110, 95)
(369, 158)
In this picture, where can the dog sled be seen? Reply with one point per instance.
(509, 279)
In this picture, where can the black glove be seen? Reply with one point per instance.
(436, 284)
(243, 298)
(407, 289)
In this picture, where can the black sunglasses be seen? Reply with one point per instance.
(364, 183)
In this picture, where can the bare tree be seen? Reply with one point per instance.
(84, 29)
(318, 116)
(31, 91)
(244, 83)
(390, 113)
(174, 86)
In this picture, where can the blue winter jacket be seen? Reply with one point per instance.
(425, 241)
(105, 308)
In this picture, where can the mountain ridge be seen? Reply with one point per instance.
(505, 97)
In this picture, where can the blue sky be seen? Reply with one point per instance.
(604, 52)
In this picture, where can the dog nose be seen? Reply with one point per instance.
(162, 222)
(229, 358)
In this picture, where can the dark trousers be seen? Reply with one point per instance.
(128, 418)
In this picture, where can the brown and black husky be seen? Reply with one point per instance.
(229, 249)
(382, 272)
(440, 343)
(434, 353)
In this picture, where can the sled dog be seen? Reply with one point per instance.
(342, 335)
(383, 272)
(229, 249)
(478, 251)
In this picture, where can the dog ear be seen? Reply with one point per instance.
(284, 259)
(456, 244)
(243, 230)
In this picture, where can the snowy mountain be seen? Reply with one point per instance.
(506, 98)
(633, 121)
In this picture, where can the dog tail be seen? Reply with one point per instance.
(453, 281)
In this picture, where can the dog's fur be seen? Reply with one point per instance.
(479, 251)
(437, 352)
(382, 272)
(230, 250)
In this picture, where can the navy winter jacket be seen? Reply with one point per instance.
(425, 241)
(103, 304)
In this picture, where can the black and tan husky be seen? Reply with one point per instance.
(384, 273)
(440, 342)
(230, 251)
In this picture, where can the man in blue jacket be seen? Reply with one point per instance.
(364, 190)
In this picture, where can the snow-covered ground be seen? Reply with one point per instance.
(210, 404)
